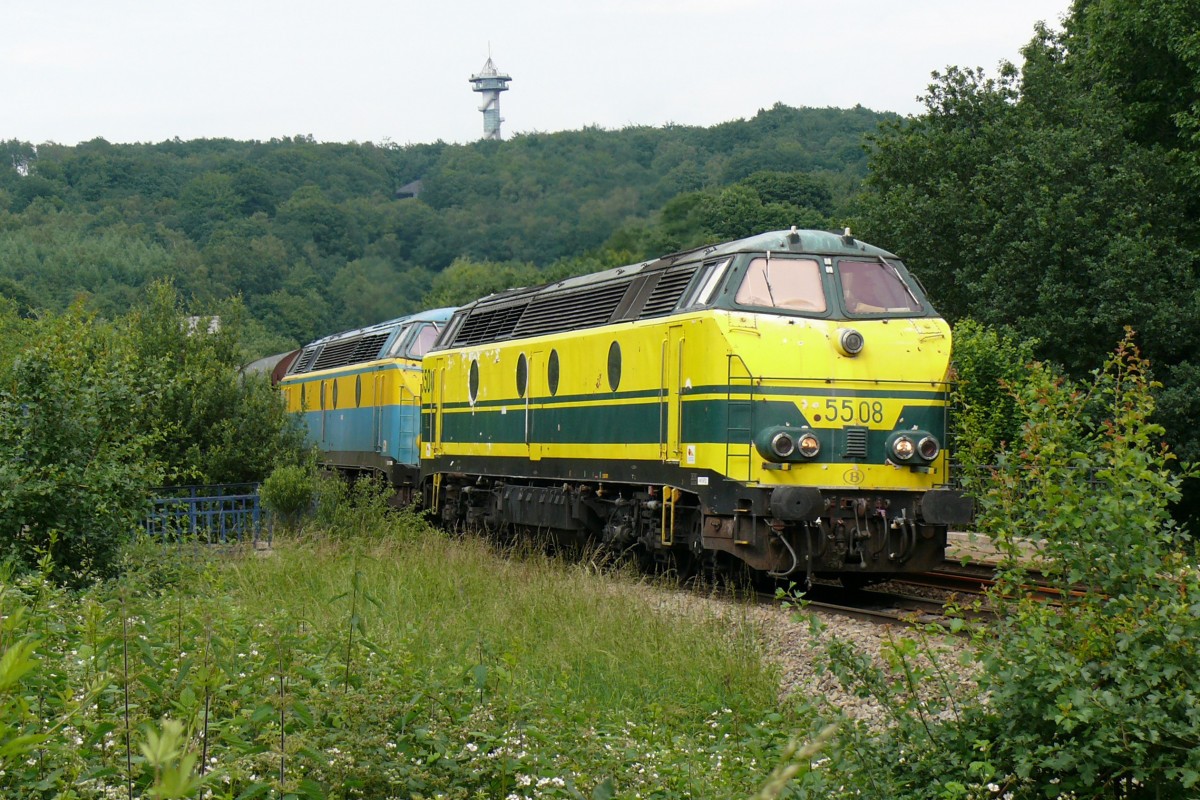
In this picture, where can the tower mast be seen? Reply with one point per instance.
(490, 82)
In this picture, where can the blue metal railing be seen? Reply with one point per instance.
(222, 514)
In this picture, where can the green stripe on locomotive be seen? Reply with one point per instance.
(641, 421)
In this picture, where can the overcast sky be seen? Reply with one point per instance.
(398, 70)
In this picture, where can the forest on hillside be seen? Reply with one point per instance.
(314, 238)
(1056, 201)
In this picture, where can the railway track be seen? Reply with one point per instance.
(977, 579)
(888, 607)
(965, 586)
(953, 580)
(955, 592)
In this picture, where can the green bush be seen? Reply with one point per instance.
(76, 466)
(288, 493)
(95, 413)
(988, 364)
(362, 508)
(1093, 698)
(212, 423)
(1098, 697)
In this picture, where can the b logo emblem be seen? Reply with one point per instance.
(854, 477)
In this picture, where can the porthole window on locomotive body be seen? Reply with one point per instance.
(614, 365)
(304, 397)
(335, 393)
(358, 391)
(473, 381)
(552, 372)
(522, 375)
(322, 395)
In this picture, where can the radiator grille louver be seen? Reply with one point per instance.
(667, 292)
(368, 347)
(856, 443)
(304, 361)
(555, 313)
(560, 308)
(349, 351)
(490, 325)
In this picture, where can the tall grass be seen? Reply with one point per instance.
(376, 657)
(551, 629)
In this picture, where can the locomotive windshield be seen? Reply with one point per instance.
(864, 287)
(875, 287)
(415, 340)
(785, 283)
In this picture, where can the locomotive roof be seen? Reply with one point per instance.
(792, 241)
(432, 315)
(359, 345)
(636, 291)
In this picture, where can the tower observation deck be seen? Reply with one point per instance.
(490, 82)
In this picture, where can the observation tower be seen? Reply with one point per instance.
(490, 82)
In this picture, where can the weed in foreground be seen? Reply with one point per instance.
(392, 666)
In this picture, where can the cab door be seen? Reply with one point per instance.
(433, 389)
(670, 391)
(324, 417)
(377, 400)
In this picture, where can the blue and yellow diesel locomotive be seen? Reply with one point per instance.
(778, 401)
(358, 394)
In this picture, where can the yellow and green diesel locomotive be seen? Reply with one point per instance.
(779, 401)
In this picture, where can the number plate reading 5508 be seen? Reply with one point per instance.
(859, 412)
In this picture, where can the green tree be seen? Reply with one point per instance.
(75, 472)
(1147, 54)
(739, 211)
(797, 189)
(466, 280)
(989, 366)
(205, 203)
(246, 260)
(1035, 199)
(309, 216)
(371, 290)
(211, 423)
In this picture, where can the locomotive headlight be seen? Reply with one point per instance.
(850, 342)
(782, 444)
(915, 448)
(903, 447)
